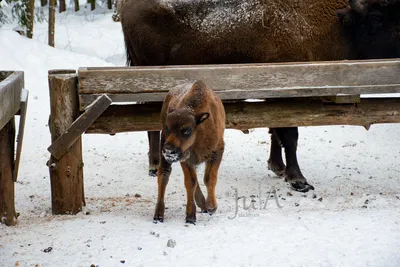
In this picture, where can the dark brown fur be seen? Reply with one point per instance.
(168, 32)
(193, 124)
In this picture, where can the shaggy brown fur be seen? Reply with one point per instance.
(193, 124)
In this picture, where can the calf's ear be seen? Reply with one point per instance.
(200, 118)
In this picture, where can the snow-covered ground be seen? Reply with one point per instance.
(351, 219)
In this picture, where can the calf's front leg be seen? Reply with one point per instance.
(164, 171)
(189, 172)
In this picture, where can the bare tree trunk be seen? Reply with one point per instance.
(52, 21)
(30, 13)
(62, 7)
(43, 2)
(76, 5)
(109, 4)
(92, 4)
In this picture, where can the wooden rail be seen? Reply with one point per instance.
(242, 81)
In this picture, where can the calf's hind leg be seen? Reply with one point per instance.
(210, 180)
(288, 138)
(200, 200)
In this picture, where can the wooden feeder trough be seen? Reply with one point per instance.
(123, 99)
(13, 101)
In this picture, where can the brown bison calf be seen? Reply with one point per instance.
(193, 124)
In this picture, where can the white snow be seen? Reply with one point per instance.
(353, 221)
(219, 16)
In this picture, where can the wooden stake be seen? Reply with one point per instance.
(21, 130)
(66, 173)
(8, 215)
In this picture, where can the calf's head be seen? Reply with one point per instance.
(180, 132)
(373, 28)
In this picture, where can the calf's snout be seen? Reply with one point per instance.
(171, 154)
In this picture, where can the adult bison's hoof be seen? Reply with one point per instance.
(301, 186)
(157, 219)
(153, 172)
(191, 221)
(278, 169)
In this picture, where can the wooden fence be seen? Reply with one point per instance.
(13, 101)
(121, 99)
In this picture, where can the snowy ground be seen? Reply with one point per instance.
(354, 219)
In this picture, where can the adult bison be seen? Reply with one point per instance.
(171, 32)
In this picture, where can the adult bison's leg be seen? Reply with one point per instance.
(154, 152)
(275, 162)
(288, 138)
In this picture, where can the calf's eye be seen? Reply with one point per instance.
(186, 132)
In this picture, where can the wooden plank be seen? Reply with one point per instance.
(79, 126)
(21, 130)
(261, 93)
(10, 96)
(282, 112)
(272, 79)
(342, 99)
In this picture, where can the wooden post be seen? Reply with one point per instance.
(66, 173)
(8, 215)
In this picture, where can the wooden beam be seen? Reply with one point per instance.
(243, 81)
(86, 99)
(342, 99)
(59, 147)
(10, 96)
(21, 130)
(66, 173)
(271, 113)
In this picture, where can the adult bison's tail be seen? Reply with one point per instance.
(126, 24)
(129, 51)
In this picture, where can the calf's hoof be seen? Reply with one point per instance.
(153, 172)
(301, 186)
(211, 211)
(191, 221)
(278, 169)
